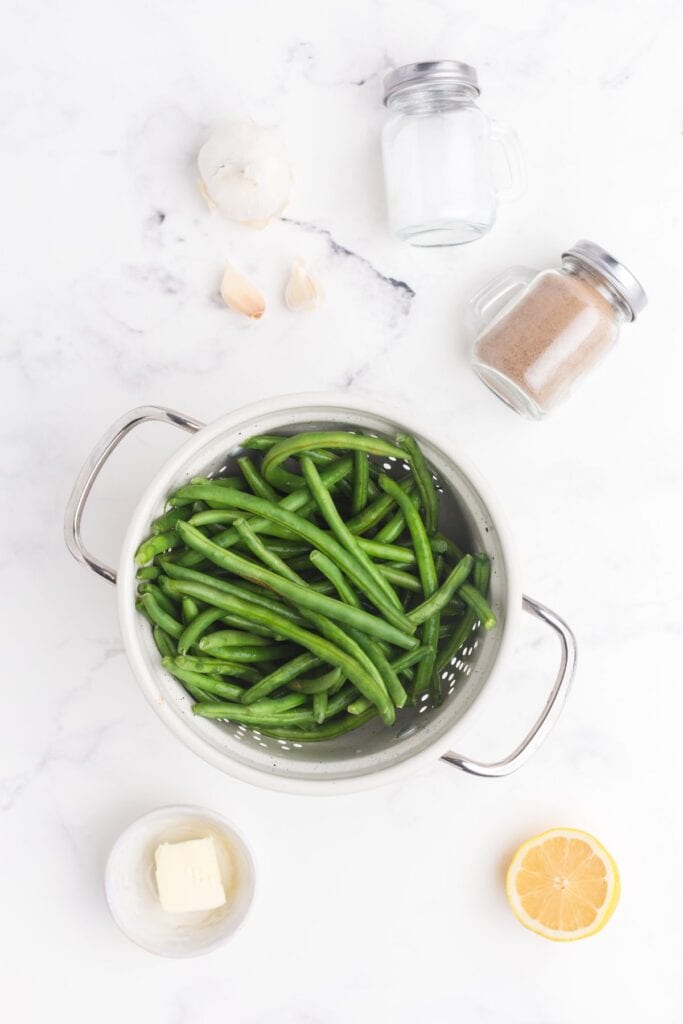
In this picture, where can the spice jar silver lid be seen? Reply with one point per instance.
(622, 280)
(435, 72)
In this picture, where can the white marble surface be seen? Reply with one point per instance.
(388, 905)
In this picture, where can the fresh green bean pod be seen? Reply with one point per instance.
(166, 522)
(326, 439)
(160, 617)
(218, 667)
(164, 643)
(300, 501)
(424, 481)
(282, 676)
(361, 478)
(343, 535)
(206, 682)
(320, 706)
(252, 476)
(371, 648)
(299, 595)
(149, 572)
(321, 683)
(156, 545)
(440, 598)
(314, 643)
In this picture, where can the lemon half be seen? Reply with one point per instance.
(563, 884)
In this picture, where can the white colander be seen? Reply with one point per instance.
(373, 754)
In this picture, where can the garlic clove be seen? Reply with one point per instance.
(206, 197)
(240, 294)
(304, 292)
(245, 172)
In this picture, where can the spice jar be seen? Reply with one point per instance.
(446, 164)
(540, 332)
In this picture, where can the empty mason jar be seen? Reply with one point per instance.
(446, 164)
(539, 332)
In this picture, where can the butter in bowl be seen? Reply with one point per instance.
(179, 881)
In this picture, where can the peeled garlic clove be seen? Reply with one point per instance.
(303, 292)
(240, 294)
(245, 172)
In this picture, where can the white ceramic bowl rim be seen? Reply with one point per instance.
(236, 426)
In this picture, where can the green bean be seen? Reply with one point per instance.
(305, 638)
(467, 624)
(342, 532)
(162, 599)
(190, 609)
(218, 667)
(265, 554)
(440, 598)
(208, 683)
(371, 648)
(237, 638)
(281, 677)
(213, 516)
(410, 658)
(317, 685)
(372, 514)
(262, 442)
(261, 712)
(299, 501)
(427, 573)
(316, 733)
(156, 545)
(164, 642)
(392, 530)
(359, 706)
(326, 439)
(421, 545)
(399, 578)
(320, 706)
(233, 482)
(424, 480)
(159, 617)
(256, 596)
(244, 655)
(452, 551)
(478, 604)
(166, 522)
(149, 572)
(294, 592)
(361, 477)
(255, 480)
(197, 627)
(317, 537)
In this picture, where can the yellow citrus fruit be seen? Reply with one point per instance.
(563, 884)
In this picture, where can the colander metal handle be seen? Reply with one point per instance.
(91, 469)
(551, 712)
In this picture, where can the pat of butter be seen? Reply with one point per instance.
(188, 876)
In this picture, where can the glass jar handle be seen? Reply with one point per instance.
(506, 143)
(497, 295)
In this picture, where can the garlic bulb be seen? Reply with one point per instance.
(245, 173)
(240, 294)
(303, 292)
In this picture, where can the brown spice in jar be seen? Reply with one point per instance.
(556, 331)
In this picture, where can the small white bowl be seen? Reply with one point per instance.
(131, 890)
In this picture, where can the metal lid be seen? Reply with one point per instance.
(621, 279)
(446, 72)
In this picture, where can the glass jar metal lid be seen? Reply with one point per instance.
(433, 72)
(622, 280)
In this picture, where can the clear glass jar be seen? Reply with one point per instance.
(539, 332)
(446, 164)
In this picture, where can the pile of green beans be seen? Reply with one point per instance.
(312, 592)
